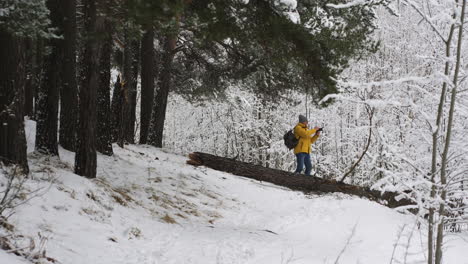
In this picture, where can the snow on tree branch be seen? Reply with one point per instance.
(354, 3)
(25, 17)
(288, 9)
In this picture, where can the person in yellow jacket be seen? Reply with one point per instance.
(306, 138)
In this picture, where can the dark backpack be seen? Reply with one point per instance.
(290, 139)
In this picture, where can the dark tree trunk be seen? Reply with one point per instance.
(155, 136)
(292, 180)
(85, 159)
(69, 90)
(12, 81)
(125, 97)
(104, 131)
(48, 97)
(128, 92)
(116, 109)
(38, 72)
(31, 83)
(147, 82)
(130, 131)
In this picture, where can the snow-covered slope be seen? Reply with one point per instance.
(147, 206)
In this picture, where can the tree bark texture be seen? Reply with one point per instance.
(48, 96)
(291, 180)
(12, 134)
(135, 53)
(126, 92)
(31, 81)
(155, 137)
(116, 109)
(85, 159)
(147, 82)
(104, 130)
(40, 51)
(69, 89)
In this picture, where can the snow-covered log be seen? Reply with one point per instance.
(291, 180)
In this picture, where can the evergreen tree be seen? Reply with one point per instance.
(147, 82)
(104, 131)
(130, 131)
(48, 96)
(85, 158)
(259, 36)
(155, 136)
(225, 42)
(116, 109)
(127, 92)
(31, 76)
(69, 90)
(12, 134)
(23, 19)
(38, 68)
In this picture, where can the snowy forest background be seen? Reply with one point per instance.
(385, 79)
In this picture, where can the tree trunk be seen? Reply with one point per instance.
(104, 131)
(435, 136)
(69, 91)
(38, 72)
(126, 92)
(48, 97)
(291, 180)
(12, 134)
(31, 83)
(155, 136)
(85, 159)
(116, 109)
(130, 130)
(147, 82)
(445, 154)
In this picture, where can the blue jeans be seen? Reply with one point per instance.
(303, 158)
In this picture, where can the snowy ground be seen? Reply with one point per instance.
(148, 207)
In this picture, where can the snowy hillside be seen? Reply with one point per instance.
(147, 206)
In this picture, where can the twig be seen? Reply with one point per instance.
(436, 30)
(365, 149)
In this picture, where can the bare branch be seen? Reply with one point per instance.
(428, 20)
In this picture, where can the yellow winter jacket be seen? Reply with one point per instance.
(305, 138)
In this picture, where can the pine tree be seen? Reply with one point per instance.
(155, 136)
(162, 14)
(147, 82)
(69, 90)
(85, 159)
(126, 94)
(104, 131)
(227, 42)
(40, 51)
(135, 53)
(48, 96)
(31, 80)
(23, 20)
(116, 109)
(12, 134)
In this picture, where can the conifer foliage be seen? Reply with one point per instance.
(90, 57)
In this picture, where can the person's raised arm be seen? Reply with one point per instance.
(299, 131)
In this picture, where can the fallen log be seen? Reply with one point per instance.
(293, 181)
